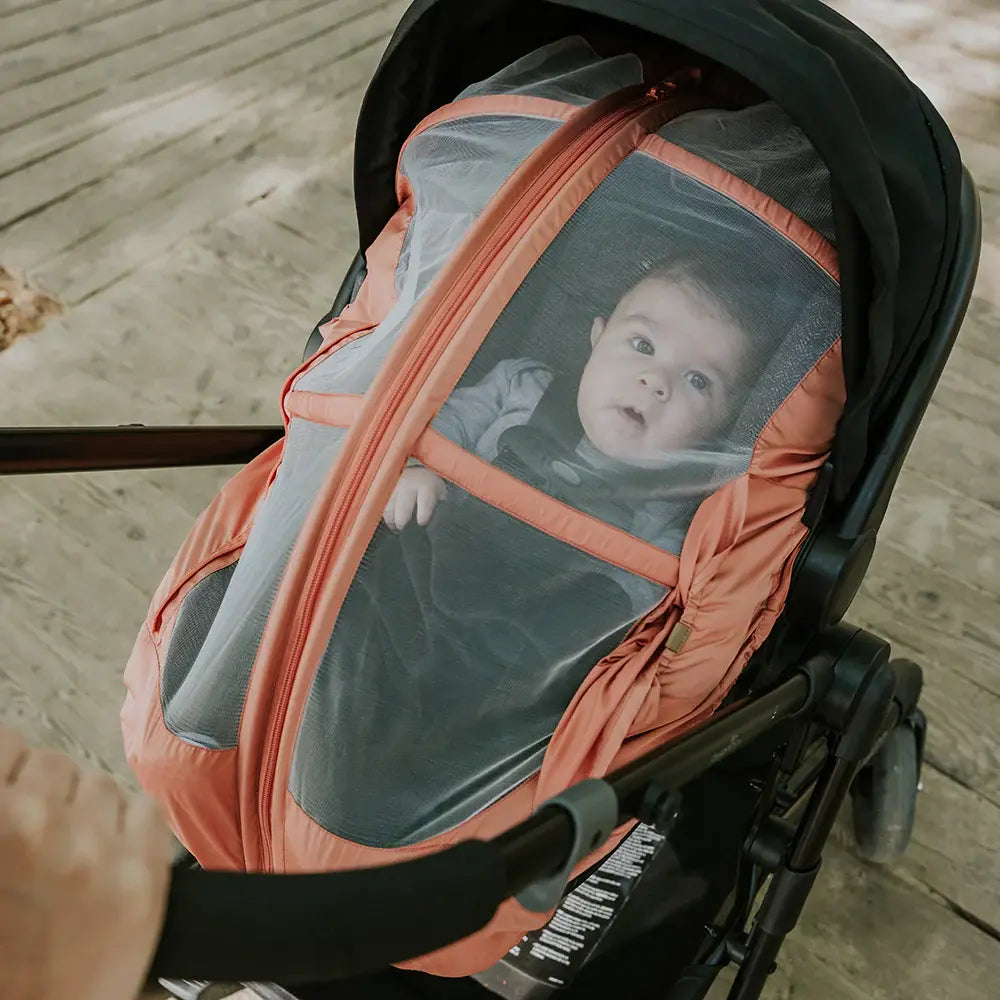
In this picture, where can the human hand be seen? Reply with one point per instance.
(418, 489)
(84, 871)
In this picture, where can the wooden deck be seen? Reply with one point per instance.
(177, 174)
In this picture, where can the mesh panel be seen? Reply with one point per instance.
(629, 376)
(193, 624)
(764, 147)
(450, 665)
(567, 70)
(454, 170)
(634, 368)
(205, 704)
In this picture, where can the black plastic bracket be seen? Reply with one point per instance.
(826, 578)
(593, 808)
(783, 905)
(820, 671)
(769, 847)
(660, 808)
(816, 503)
(867, 716)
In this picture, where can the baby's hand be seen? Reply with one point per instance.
(418, 488)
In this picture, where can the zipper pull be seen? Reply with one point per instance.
(685, 79)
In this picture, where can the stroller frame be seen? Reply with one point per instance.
(831, 686)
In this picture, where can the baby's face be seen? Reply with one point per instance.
(663, 376)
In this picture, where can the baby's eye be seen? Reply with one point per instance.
(698, 381)
(643, 346)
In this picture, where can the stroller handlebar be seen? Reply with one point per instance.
(233, 926)
(225, 926)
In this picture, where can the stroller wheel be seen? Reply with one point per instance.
(884, 797)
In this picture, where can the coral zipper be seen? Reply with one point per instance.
(454, 298)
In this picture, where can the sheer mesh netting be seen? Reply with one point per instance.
(628, 377)
(567, 70)
(635, 366)
(763, 147)
(454, 169)
(222, 619)
(448, 669)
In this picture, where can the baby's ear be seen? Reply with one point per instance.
(596, 329)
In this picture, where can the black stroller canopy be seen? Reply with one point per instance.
(895, 169)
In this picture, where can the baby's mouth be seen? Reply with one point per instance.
(634, 416)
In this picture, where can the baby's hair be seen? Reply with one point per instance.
(709, 280)
(719, 282)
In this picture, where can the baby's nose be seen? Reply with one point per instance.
(656, 384)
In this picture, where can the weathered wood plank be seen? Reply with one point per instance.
(957, 451)
(20, 27)
(236, 280)
(15, 6)
(73, 225)
(940, 622)
(962, 739)
(322, 209)
(156, 72)
(271, 163)
(38, 572)
(969, 386)
(258, 325)
(952, 857)
(20, 712)
(64, 695)
(221, 48)
(873, 931)
(85, 44)
(98, 262)
(100, 157)
(988, 286)
(950, 630)
(218, 285)
(135, 526)
(949, 534)
(254, 244)
(125, 377)
(980, 336)
(980, 157)
(68, 633)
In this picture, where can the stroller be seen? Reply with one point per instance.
(738, 781)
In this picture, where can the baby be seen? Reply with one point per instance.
(666, 372)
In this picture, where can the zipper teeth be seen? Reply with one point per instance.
(423, 349)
